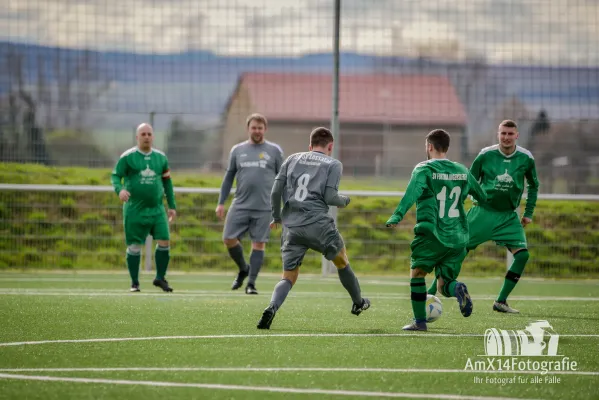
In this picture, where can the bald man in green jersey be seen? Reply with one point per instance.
(147, 180)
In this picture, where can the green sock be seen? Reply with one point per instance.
(449, 289)
(433, 288)
(133, 261)
(418, 295)
(513, 274)
(162, 255)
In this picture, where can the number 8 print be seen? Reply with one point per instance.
(302, 189)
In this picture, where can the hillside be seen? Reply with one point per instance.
(83, 230)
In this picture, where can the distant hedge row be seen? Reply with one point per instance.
(79, 230)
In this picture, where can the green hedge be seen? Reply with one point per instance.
(83, 230)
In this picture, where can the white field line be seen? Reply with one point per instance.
(84, 276)
(99, 280)
(249, 336)
(210, 293)
(294, 369)
(249, 388)
(193, 279)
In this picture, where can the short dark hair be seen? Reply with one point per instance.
(320, 137)
(256, 117)
(508, 123)
(439, 139)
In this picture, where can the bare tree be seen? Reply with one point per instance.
(78, 84)
(29, 143)
(64, 76)
(44, 94)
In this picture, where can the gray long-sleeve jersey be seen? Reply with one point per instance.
(308, 183)
(255, 166)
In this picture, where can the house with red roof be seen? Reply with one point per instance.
(383, 118)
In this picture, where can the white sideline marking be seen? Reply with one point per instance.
(217, 293)
(96, 280)
(87, 277)
(248, 336)
(324, 281)
(291, 369)
(250, 388)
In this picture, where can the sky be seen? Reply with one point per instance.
(551, 32)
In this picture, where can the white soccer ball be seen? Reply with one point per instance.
(434, 308)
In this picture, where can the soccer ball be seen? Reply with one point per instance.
(434, 308)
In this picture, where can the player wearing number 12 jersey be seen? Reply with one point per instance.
(308, 183)
(439, 188)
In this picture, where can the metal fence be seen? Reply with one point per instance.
(73, 227)
(77, 78)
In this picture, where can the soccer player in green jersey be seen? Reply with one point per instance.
(439, 188)
(147, 179)
(501, 170)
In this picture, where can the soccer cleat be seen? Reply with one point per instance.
(267, 316)
(357, 309)
(238, 282)
(163, 284)
(416, 326)
(135, 288)
(501, 306)
(250, 289)
(464, 300)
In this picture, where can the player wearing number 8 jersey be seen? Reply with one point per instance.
(308, 183)
(439, 188)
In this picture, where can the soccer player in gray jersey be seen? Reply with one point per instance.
(255, 163)
(309, 184)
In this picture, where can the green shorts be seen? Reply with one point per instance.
(503, 227)
(429, 254)
(137, 227)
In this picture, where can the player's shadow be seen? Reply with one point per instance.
(377, 331)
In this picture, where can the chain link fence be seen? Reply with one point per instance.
(78, 77)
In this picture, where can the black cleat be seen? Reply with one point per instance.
(163, 284)
(357, 309)
(267, 316)
(238, 282)
(464, 299)
(250, 289)
(135, 288)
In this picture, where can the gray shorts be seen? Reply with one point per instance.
(321, 236)
(239, 222)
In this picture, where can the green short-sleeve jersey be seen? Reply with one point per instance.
(502, 176)
(439, 188)
(143, 175)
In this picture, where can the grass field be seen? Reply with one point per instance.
(201, 341)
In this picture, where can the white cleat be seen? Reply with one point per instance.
(502, 306)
